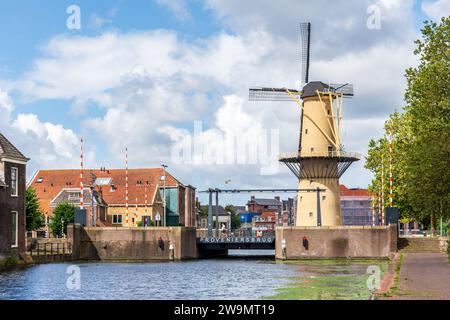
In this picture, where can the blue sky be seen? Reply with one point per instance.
(202, 57)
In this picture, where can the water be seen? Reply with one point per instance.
(199, 279)
(215, 279)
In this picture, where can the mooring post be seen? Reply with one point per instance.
(210, 216)
(319, 216)
(217, 213)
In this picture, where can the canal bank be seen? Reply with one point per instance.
(133, 244)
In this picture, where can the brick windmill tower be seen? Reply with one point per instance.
(320, 160)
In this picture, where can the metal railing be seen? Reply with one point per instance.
(202, 233)
(321, 154)
(423, 233)
(50, 249)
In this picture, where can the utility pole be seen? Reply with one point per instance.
(164, 196)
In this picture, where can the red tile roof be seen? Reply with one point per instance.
(345, 192)
(53, 181)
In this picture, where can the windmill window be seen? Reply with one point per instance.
(328, 111)
(312, 149)
(310, 214)
(306, 131)
(324, 197)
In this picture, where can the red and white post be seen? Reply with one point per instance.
(81, 175)
(382, 192)
(126, 187)
(145, 207)
(373, 210)
(391, 194)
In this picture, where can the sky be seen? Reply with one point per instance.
(169, 80)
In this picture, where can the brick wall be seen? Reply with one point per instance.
(337, 242)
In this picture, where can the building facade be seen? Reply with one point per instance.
(106, 188)
(12, 199)
(356, 207)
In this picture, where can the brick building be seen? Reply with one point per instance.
(12, 198)
(145, 194)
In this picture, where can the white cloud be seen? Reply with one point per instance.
(152, 86)
(6, 107)
(178, 7)
(47, 144)
(436, 9)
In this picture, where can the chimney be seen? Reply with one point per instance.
(252, 198)
(277, 198)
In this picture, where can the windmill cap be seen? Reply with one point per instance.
(310, 89)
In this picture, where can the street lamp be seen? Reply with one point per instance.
(164, 194)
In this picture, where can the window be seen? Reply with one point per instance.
(14, 229)
(117, 219)
(74, 195)
(306, 131)
(310, 214)
(14, 182)
(324, 197)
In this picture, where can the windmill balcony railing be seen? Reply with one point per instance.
(320, 154)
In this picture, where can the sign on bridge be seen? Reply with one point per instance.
(235, 239)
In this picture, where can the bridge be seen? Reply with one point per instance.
(217, 240)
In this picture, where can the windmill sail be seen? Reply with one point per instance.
(305, 34)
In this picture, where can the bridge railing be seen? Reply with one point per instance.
(203, 233)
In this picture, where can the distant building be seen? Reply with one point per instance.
(288, 212)
(12, 198)
(264, 224)
(356, 206)
(145, 194)
(267, 205)
(224, 218)
(246, 219)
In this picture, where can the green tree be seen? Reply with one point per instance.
(421, 133)
(235, 221)
(35, 218)
(63, 215)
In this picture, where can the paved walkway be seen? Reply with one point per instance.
(424, 276)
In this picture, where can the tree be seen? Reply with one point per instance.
(63, 215)
(35, 218)
(421, 134)
(235, 220)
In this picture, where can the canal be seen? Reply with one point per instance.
(237, 278)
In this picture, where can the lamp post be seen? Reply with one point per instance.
(164, 195)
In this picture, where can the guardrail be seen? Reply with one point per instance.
(203, 233)
(321, 154)
(423, 233)
(50, 249)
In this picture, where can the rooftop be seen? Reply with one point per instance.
(8, 150)
(49, 183)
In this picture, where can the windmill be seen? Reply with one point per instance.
(320, 160)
